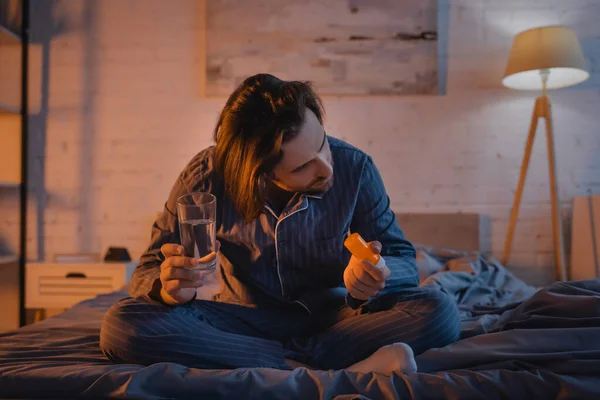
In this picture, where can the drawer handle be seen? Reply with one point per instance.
(75, 275)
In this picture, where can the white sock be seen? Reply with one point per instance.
(396, 357)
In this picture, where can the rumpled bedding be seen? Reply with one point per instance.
(482, 287)
(518, 342)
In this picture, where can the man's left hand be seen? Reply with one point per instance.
(363, 279)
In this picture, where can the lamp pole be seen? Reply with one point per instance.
(540, 110)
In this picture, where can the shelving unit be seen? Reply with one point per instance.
(8, 37)
(8, 259)
(12, 154)
(13, 162)
(6, 109)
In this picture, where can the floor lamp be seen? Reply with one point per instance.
(540, 59)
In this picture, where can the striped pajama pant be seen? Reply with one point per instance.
(213, 335)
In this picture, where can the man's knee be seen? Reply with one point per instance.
(442, 315)
(122, 326)
(436, 311)
(439, 302)
(419, 299)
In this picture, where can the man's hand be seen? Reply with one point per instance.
(363, 279)
(178, 278)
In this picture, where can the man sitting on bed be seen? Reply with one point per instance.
(290, 293)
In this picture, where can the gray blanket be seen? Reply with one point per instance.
(482, 287)
(517, 342)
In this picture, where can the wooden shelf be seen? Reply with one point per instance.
(6, 109)
(8, 259)
(8, 37)
(14, 49)
(10, 143)
(9, 184)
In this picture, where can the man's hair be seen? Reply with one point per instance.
(260, 115)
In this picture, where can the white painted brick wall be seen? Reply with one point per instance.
(125, 115)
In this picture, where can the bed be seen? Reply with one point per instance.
(518, 341)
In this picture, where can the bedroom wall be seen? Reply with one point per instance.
(122, 114)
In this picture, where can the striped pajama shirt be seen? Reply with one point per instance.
(282, 293)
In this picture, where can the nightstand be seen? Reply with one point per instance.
(62, 285)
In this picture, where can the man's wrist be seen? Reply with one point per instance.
(166, 298)
(354, 303)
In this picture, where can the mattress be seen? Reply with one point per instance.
(517, 341)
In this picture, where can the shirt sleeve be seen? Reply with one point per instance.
(145, 280)
(374, 220)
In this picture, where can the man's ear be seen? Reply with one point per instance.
(267, 180)
(263, 181)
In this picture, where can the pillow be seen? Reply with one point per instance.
(427, 264)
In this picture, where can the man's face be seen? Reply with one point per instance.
(306, 166)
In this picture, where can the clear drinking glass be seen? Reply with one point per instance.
(197, 214)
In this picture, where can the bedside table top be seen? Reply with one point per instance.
(99, 264)
(61, 285)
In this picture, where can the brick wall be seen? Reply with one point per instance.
(122, 114)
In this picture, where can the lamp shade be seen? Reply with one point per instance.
(552, 48)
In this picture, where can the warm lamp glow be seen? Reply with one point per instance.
(554, 50)
(543, 58)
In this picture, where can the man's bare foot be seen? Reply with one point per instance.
(396, 357)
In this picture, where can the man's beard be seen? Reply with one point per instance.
(316, 187)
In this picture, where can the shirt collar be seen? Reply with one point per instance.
(314, 196)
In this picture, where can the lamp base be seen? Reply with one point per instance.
(541, 109)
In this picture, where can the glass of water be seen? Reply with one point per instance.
(197, 214)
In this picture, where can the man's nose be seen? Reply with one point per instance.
(325, 169)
